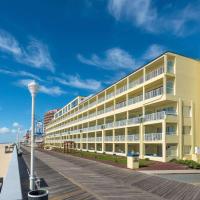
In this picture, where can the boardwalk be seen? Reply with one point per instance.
(95, 180)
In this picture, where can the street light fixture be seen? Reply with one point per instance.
(33, 89)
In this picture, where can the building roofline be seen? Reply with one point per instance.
(137, 69)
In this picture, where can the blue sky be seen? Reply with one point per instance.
(79, 47)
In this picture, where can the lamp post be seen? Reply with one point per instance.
(33, 88)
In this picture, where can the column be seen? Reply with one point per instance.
(180, 128)
(126, 142)
(164, 154)
(103, 136)
(192, 127)
(95, 144)
(113, 142)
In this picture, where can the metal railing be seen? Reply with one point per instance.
(134, 120)
(134, 137)
(135, 99)
(152, 136)
(108, 138)
(154, 93)
(154, 116)
(136, 82)
(108, 96)
(108, 109)
(122, 89)
(121, 123)
(120, 105)
(154, 73)
(98, 139)
(119, 138)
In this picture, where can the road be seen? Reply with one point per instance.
(100, 181)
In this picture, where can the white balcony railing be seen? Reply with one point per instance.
(154, 93)
(108, 96)
(109, 125)
(101, 99)
(84, 139)
(120, 105)
(134, 137)
(154, 116)
(91, 139)
(134, 120)
(136, 82)
(135, 99)
(121, 123)
(108, 109)
(122, 89)
(98, 139)
(154, 73)
(108, 138)
(100, 112)
(119, 138)
(153, 136)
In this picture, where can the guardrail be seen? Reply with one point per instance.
(11, 189)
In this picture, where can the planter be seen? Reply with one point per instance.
(38, 195)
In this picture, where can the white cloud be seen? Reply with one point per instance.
(9, 44)
(153, 51)
(144, 14)
(4, 130)
(113, 59)
(53, 91)
(15, 124)
(19, 74)
(36, 54)
(77, 82)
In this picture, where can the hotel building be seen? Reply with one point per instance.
(154, 111)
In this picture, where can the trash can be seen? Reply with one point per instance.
(38, 195)
(133, 160)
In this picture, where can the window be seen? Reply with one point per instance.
(187, 111)
(170, 87)
(186, 130)
(170, 66)
(186, 149)
(170, 130)
(170, 110)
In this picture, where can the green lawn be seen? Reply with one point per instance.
(112, 159)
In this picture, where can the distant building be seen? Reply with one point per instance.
(48, 116)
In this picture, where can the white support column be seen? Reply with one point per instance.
(164, 155)
(193, 127)
(180, 128)
(113, 143)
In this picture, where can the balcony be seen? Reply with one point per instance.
(108, 96)
(121, 123)
(98, 139)
(122, 89)
(154, 73)
(100, 112)
(154, 116)
(101, 99)
(135, 99)
(132, 138)
(108, 109)
(108, 138)
(84, 139)
(91, 139)
(119, 138)
(109, 125)
(154, 93)
(134, 120)
(153, 136)
(120, 105)
(135, 83)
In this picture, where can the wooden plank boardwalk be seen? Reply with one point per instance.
(103, 181)
(58, 186)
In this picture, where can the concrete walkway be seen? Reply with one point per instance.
(188, 171)
(108, 182)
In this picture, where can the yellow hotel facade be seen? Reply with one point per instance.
(154, 111)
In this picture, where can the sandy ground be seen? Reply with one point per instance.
(4, 160)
